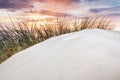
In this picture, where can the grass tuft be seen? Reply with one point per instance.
(23, 36)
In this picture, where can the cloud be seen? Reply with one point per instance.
(15, 4)
(53, 13)
(109, 9)
(114, 15)
(60, 2)
(95, 10)
(48, 13)
(106, 2)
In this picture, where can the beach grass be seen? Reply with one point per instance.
(22, 36)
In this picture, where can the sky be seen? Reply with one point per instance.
(32, 9)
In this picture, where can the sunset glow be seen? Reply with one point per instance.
(41, 9)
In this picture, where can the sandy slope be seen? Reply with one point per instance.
(85, 55)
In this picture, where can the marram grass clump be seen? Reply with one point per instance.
(22, 36)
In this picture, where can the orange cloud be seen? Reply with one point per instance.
(46, 12)
(60, 2)
(52, 13)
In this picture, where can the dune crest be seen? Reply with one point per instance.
(90, 54)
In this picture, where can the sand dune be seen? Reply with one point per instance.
(84, 55)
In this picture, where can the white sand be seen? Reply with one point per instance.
(84, 55)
